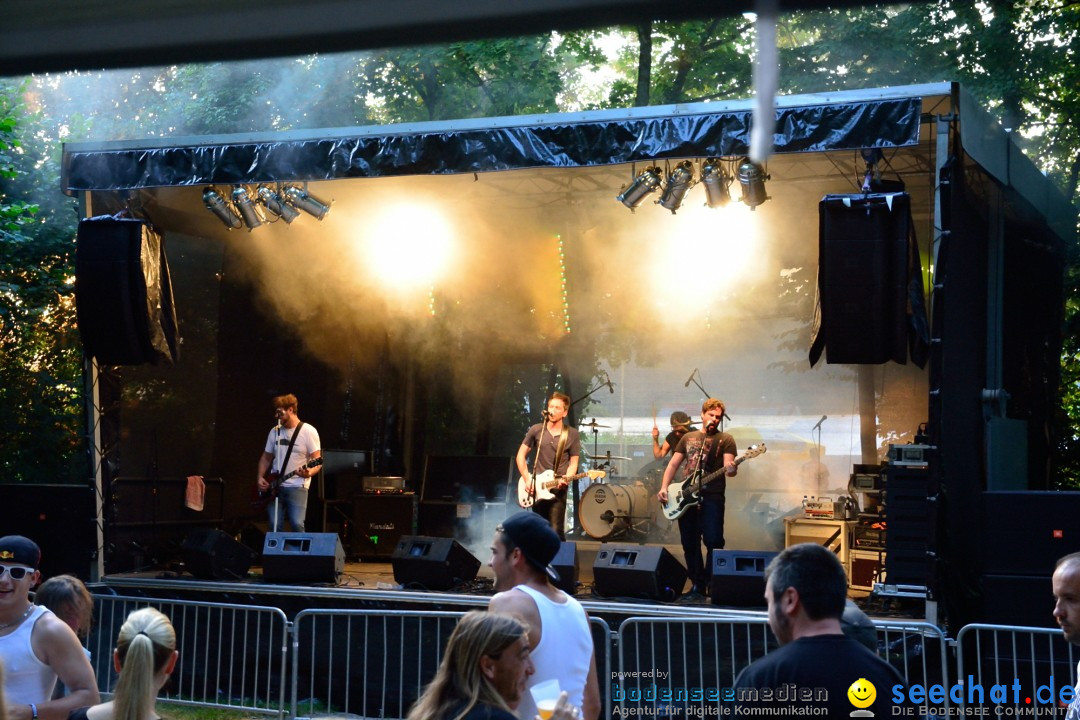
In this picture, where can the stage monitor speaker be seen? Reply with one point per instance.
(862, 277)
(738, 577)
(436, 563)
(303, 557)
(565, 563)
(639, 571)
(379, 522)
(123, 293)
(212, 555)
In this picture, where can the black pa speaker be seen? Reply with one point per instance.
(433, 562)
(61, 519)
(565, 563)
(862, 277)
(213, 555)
(303, 557)
(639, 571)
(123, 293)
(738, 577)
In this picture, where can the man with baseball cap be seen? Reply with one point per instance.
(521, 554)
(36, 647)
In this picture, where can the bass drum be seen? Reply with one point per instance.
(608, 511)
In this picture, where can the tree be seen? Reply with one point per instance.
(40, 369)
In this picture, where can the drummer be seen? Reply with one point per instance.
(680, 425)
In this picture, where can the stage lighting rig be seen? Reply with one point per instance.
(276, 204)
(717, 183)
(217, 205)
(247, 208)
(752, 179)
(679, 182)
(639, 189)
(299, 197)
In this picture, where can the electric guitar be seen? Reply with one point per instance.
(686, 494)
(546, 482)
(261, 498)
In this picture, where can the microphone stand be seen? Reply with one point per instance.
(693, 379)
(575, 493)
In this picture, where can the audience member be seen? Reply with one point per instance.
(36, 647)
(483, 672)
(806, 590)
(562, 648)
(68, 598)
(1066, 584)
(145, 656)
(70, 601)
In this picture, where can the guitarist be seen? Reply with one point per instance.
(292, 495)
(559, 450)
(704, 451)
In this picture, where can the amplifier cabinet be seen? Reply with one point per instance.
(379, 521)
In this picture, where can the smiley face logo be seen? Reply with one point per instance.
(862, 693)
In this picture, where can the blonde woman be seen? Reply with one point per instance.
(483, 673)
(145, 656)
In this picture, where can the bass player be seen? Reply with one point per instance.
(291, 448)
(559, 450)
(704, 451)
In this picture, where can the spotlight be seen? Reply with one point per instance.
(679, 182)
(217, 205)
(717, 183)
(643, 184)
(276, 204)
(309, 204)
(752, 179)
(248, 210)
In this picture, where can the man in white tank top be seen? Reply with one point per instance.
(562, 647)
(36, 647)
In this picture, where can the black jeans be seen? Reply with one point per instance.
(555, 512)
(705, 522)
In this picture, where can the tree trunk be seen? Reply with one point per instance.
(644, 73)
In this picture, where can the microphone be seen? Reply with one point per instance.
(610, 387)
(690, 379)
(823, 419)
(545, 414)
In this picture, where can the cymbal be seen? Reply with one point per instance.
(609, 456)
(593, 424)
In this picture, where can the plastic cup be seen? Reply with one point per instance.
(546, 694)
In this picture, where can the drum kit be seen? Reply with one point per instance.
(617, 507)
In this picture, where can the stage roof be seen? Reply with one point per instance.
(817, 136)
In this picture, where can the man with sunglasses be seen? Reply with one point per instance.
(36, 647)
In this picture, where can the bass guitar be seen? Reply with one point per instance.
(686, 494)
(261, 498)
(546, 483)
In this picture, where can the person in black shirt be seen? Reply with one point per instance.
(816, 664)
(548, 436)
(704, 451)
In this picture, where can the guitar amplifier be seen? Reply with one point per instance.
(383, 485)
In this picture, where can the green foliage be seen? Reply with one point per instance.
(40, 369)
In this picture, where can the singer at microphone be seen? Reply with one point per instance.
(554, 449)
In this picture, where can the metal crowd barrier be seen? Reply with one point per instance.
(376, 663)
(231, 656)
(680, 667)
(1022, 663)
